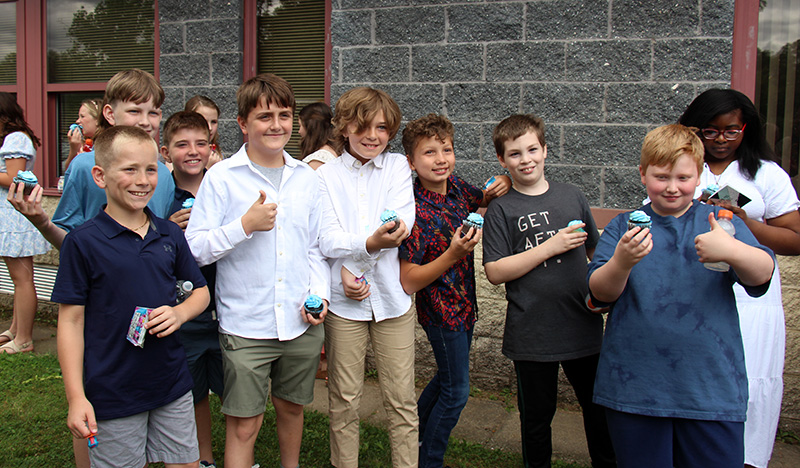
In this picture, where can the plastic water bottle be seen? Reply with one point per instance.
(184, 289)
(725, 220)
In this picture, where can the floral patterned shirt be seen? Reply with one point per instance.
(449, 302)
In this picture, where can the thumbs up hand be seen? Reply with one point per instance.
(260, 216)
(715, 245)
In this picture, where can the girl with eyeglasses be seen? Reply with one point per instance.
(737, 155)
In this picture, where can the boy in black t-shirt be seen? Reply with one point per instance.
(528, 246)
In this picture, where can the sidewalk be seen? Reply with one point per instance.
(486, 422)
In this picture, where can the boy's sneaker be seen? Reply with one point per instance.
(205, 464)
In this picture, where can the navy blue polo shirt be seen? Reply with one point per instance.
(110, 270)
(205, 321)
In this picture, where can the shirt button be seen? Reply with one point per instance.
(280, 280)
(279, 305)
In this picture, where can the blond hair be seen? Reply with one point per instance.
(107, 144)
(664, 145)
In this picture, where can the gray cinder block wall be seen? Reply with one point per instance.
(600, 73)
(202, 53)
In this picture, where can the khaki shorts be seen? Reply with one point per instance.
(250, 364)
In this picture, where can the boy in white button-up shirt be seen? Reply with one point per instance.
(367, 299)
(257, 216)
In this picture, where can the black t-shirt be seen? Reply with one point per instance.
(547, 319)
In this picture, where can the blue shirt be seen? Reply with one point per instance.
(672, 346)
(82, 198)
(110, 270)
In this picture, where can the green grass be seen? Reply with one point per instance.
(33, 434)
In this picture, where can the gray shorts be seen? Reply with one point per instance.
(250, 364)
(167, 434)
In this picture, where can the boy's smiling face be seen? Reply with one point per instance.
(371, 141)
(524, 158)
(434, 160)
(188, 151)
(131, 177)
(268, 128)
(144, 115)
(671, 190)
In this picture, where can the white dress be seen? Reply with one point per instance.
(18, 237)
(321, 155)
(761, 319)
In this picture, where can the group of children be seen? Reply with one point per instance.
(268, 231)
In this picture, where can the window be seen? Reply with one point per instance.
(778, 79)
(291, 42)
(60, 52)
(766, 67)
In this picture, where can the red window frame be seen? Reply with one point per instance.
(38, 97)
(745, 47)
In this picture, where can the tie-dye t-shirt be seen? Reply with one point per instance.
(672, 346)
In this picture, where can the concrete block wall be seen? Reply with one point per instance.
(201, 46)
(601, 73)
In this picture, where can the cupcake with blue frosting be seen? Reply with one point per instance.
(474, 220)
(639, 219)
(313, 306)
(389, 216)
(27, 178)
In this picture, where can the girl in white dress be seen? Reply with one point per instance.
(317, 145)
(737, 155)
(19, 240)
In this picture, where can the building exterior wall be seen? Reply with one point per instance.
(601, 73)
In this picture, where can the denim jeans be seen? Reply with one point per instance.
(444, 397)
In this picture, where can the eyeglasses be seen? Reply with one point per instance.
(730, 134)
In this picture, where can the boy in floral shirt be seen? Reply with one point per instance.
(436, 261)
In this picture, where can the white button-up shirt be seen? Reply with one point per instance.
(353, 198)
(264, 278)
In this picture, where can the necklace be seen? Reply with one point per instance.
(146, 220)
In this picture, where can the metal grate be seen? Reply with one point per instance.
(44, 277)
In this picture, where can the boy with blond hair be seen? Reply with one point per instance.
(530, 245)
(671, 374)
(123, 259)
(368, 302)
(257, 216)
(133, 97)
(187, 148)
(436, 262)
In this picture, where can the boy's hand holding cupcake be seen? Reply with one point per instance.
(566, 239)
(390, 234)
(315, 309)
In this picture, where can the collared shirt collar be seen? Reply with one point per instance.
(111, 228)
(240, 158)
(351, 162)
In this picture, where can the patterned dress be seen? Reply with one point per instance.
(18, 237)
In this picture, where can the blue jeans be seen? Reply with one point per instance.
(441, 402)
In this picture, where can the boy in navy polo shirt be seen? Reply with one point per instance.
(436, 261)
(187, 148)
(136, 400)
